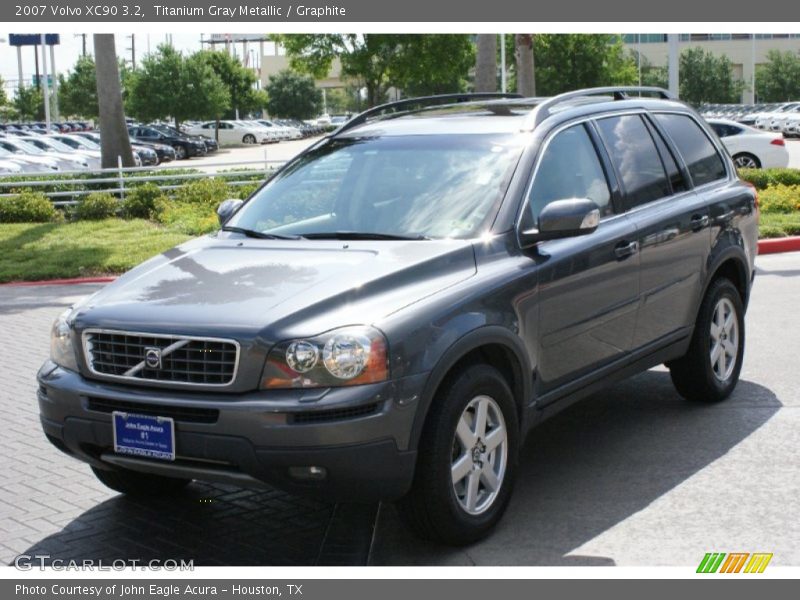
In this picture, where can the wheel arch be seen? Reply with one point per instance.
(492, 345)
(732, 264)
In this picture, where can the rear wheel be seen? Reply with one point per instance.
(134, 483)
(249, 139)
(745, 160)
(710, 369)
(468, 455)
(180, 152)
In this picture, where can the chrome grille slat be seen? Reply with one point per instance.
(190, 361)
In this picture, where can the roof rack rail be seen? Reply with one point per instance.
(422, 101)
(544, 110)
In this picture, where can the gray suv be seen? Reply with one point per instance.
(399, 305)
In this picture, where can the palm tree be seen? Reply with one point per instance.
(486, 63)
(526, 81)
(114, 141)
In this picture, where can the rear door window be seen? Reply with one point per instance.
(634, 154)
(701, 157)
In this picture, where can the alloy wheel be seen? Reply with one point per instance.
(724, 343)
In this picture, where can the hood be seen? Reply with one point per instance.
(230, 286)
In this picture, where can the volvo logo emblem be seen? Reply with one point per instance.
(152, 357)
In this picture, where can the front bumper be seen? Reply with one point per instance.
(358, 435)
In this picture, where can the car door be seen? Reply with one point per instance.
(673, 234)
(587, 286)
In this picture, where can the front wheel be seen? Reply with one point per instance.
(710, 369)
(133, 483)
(467, 459)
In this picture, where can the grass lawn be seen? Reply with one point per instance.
(35, 251)
(779, 225)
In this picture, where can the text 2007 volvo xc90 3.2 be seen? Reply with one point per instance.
(398, 306)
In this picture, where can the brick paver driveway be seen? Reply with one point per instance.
(52, 505)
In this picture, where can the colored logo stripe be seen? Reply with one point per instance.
(711, 562)
(734, 562)
(758, 563)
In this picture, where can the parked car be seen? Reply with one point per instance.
(400, 304)
(184, 146)
(285, 132)
(32, 153)
(233, 132)
(749, 147)
(765, 119)
(29, 164)
(9, 167)
(163, 152)
(210, 143)
(50, 145)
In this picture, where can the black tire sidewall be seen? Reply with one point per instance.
(474, 381)
(721, 288)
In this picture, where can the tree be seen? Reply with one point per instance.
(77, 91)
(293, 95)
(420, 64)
(705, 77)
(168, 84)
(115, 141)
(3, 96)
(778, 80)
(237, 79)
(29, 103)
(523, 53)
(486, 62)
(571, 61)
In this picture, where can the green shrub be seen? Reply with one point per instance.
(763, 178)
(207, 192)
(780, 199)
(97, 206)
(27, 207)
(243, 192)
(186, 217)
(770, 231)
(140, 202)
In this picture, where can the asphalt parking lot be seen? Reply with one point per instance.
(631, 476)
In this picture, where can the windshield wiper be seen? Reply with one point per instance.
(260, 234)
(361, 235)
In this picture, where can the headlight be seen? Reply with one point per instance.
(62, 352)
(347, 356)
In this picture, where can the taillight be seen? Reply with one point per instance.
(778, 142)
(755, 190)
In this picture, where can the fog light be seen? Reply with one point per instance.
(308, 473)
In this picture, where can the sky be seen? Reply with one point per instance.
(71, 47)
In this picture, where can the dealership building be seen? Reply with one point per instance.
(745, 51)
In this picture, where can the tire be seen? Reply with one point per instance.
(438, 509)
(133, 483)
(745, 160)
(180, 152)
(249, 139)
(698, 376)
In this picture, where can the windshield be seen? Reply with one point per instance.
(426, 186)
(54, 144)
(82, 143)
(25, 147)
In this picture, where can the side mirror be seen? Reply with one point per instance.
(562, 219)
(227, 208)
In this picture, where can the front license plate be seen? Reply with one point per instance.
(144, 435)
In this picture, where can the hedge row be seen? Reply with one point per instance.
(189, 208)
(763, 178)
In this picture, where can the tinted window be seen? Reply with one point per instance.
(704, 162)
(674, 174)
(569, 168)
(634, 153)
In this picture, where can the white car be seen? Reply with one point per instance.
(232, 132)
(764, 120)
(51, 145)
(9, 167)
(29, 164)
(751, 148)
(24, 149)
(284, 132)
(791, 126)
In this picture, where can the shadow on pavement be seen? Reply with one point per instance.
(216, 525)
(591, 467)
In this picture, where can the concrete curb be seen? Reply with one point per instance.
(775, 245)
(73, 281)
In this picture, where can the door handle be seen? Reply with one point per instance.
(626, 249)
(699, 222)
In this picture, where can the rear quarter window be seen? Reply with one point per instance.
(702, 159)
